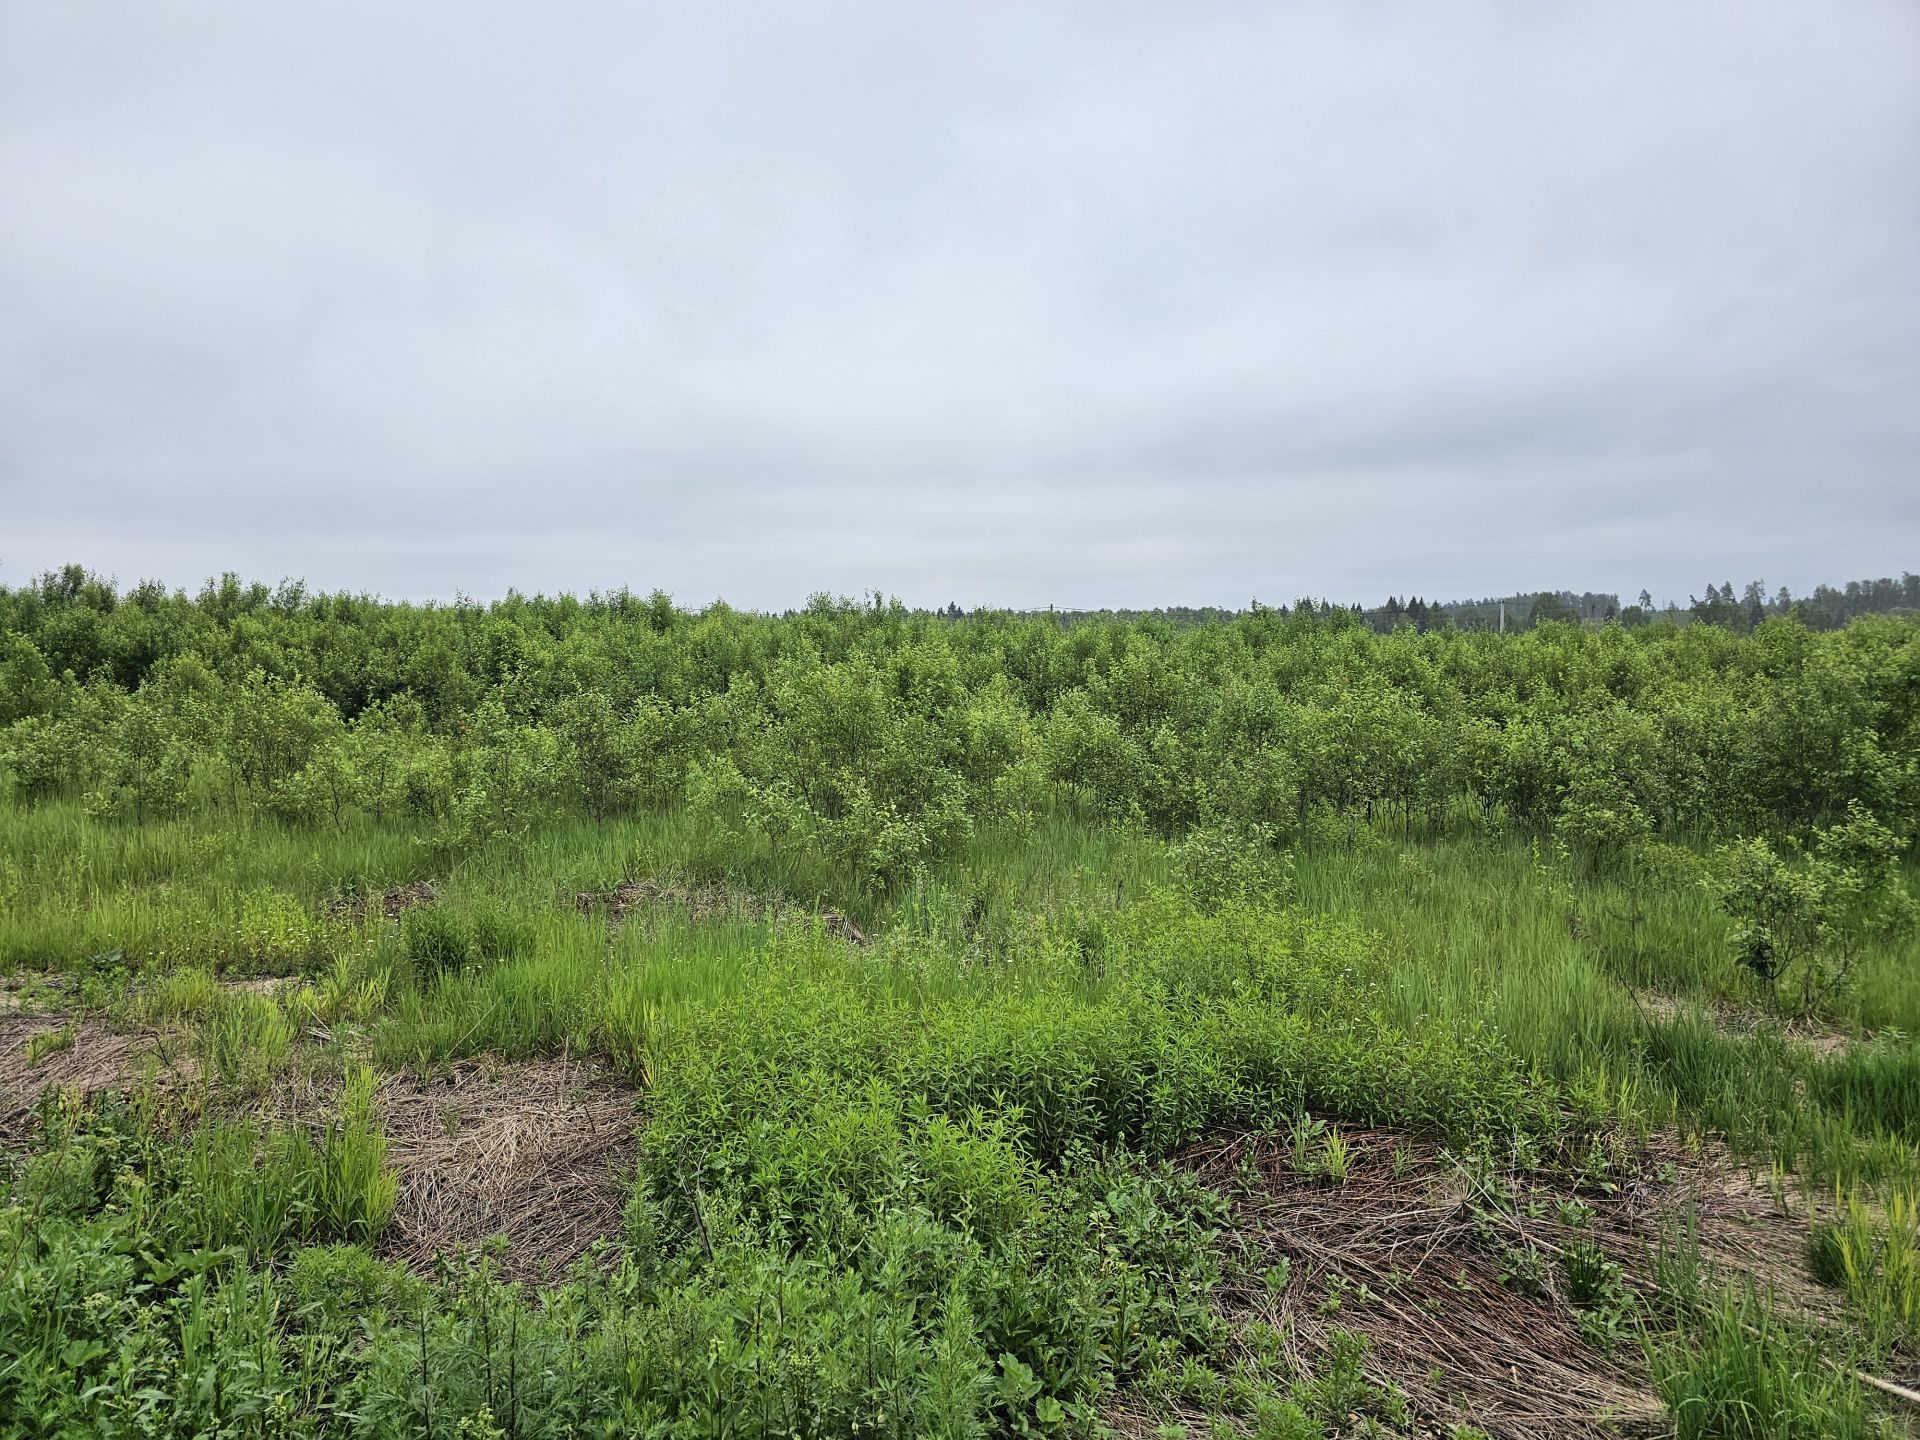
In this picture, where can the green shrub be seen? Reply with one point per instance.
(1827, 1254)
(244, 1039)
(345, 1285)
(1234, 862)
(1593, 1278)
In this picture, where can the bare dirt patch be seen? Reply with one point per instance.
(709, 900)
(538, 1152)
(26, 992)
(359, 905)
(267, 987)
(1467, 1305)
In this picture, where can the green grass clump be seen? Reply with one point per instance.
(1740, 1374)
(353, 1190)
(1874, 1252)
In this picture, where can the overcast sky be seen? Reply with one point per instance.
(1016, 304)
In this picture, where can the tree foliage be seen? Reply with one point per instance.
(887, 736)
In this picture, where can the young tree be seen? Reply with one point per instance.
(1600, 824)
(63, 751)
(1804, 925)
(604, 753)
(383, 746)
(508, 778)
(27, 686)
(270, 730)
(146, 766)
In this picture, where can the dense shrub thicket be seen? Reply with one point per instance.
(880, 736)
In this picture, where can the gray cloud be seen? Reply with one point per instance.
(1020, 304)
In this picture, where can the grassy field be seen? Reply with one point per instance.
(642, 1127)
(562, 1017)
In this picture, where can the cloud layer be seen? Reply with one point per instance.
(1108, 304)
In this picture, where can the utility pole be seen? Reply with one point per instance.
(1503, 617)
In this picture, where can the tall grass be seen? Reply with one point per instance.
(1877, 1255)
(353, 1190)
(1739, 1373)
(257, 1186)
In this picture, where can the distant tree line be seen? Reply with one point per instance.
(1827, 608)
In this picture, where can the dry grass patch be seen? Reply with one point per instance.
(388, 904)
(708, 900)
(1484, 1298)
(1732, 1017)
(538, 1152)
(267, 987)
(85, 1056)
